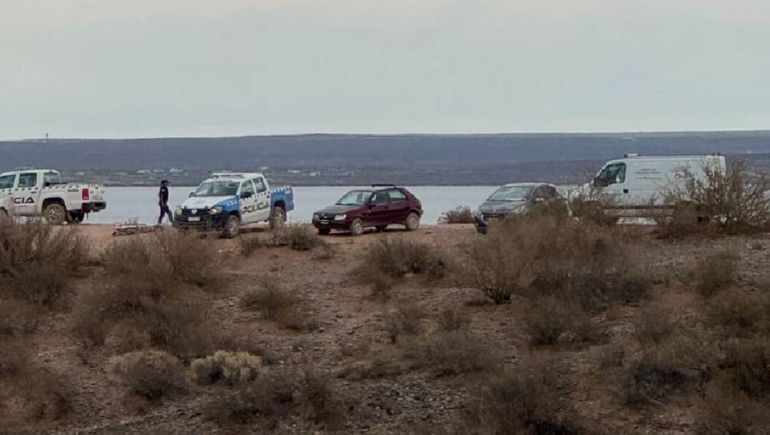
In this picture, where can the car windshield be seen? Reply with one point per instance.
(217, 188)
(355, 197)
(510, 193)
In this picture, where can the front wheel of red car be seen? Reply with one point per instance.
(357, 227)
(412, 221)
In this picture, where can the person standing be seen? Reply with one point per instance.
(163, 202)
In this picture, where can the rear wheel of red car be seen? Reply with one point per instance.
(232, 227)
(357, 227)
(412, 221)
(324, 231)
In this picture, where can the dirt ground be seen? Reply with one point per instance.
(352, 329)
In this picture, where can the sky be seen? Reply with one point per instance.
(152, 68)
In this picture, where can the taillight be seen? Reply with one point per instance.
(86, 194)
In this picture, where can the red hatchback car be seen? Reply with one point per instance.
(377, 207)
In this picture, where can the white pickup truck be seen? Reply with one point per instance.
(41, 192)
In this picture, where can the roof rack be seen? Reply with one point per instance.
(383, 185)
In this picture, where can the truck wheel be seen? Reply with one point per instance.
(75, 217)
(412, 221)
(356, 227)
(232, 227)
(55, 214)
(277, 218)
(324, 231)
(4, 216)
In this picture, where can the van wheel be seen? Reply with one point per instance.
(55, 214)
(412, 221)
(357, 227)
(232, 227)
(277, 218)
(75, 217)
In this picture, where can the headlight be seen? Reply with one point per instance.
(316, 216)
(215, 210)
(340, 217)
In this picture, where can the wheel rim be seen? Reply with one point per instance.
(278, 216)
(232, 228)
(356, 228)
(412, 222)
(54, 214)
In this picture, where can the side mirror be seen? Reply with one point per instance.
(246, 195)
(191, 194)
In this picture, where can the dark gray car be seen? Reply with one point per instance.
(517, 198)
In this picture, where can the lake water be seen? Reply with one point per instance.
(141, 203)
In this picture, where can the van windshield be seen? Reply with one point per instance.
(510, 193)
(217, 188)
(355, 197)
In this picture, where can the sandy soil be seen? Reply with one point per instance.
(352, 330)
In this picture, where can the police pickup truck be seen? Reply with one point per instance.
(227, 200)
(41, 192)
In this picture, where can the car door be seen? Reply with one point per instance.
(612, 181)
(26, 194)
(262, 200)
(248, 202)
(398, 206)
(378, 208)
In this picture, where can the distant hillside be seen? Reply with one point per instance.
(355, 159)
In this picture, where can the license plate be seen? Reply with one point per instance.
(324, 222)
(194, 219)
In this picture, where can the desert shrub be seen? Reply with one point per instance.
(686, 358)
(380, 284)
(549, 321)
(406, 320)
(179, 327)
(738, 312)
(18, 317)
(14, 357)
(556, 256)
(271, 397)
(396, 256)
(162, 257)
(37, 261)
(527, 401)
(715, 272)
(453, 319)
(45, 394)
(460, 215)
(655, 324)
(229, 367)
(300, 237)
(279, 305)
(324, 401)
(733, 201)
(749, 361)
(151, 374)
(450, 353)
(727, 411)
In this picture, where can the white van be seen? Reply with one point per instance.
(638, 183)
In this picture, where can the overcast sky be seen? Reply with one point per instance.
(139, 68)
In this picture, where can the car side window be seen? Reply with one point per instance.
(380, 198)
(51, 178)
(260, 183)
(6, 181)
(28, 179)
(612, 174)
(545, 192)
(247, 188)
(396, 195)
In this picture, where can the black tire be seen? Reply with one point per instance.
(381, 228)
(356, 227)
(232, 227)
(412, 221)
(277, 217)
(4, 217)
(75, 217)
(55, 214)
(324, 231)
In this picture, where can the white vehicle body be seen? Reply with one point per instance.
(41, 192)
(640, 182)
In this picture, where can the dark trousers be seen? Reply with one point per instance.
(164, 210)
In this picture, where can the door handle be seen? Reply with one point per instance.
(625, 190)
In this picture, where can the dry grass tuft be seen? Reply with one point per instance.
(299, 237)
(715, 272)
(460, 215)
(18, 317)
(549, 321)
(279, 305)
(232, 368)
(406, 320)
(151, 374)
